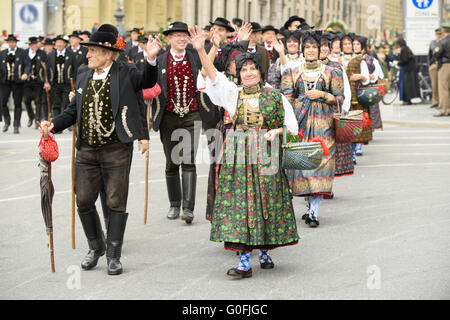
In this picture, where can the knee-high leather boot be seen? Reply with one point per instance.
(189, 181)
(174, 193)
(96, 239)
(114, 241)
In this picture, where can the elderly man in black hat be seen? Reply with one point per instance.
(179, 106)
(107, 113)
(63, 67)
(79, 51)
(34, 86)
(294, 23)
(14, 71)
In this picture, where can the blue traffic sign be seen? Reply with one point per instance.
(422, 4)
(29, 14)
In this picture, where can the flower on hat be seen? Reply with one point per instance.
(119, 44)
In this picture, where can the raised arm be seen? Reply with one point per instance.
(198, 42)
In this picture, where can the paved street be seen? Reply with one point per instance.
(386, 234)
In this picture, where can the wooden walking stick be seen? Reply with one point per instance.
(146, 163)
(74, 135)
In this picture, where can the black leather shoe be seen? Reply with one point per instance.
(16, 130)
(91, 259)
(267, 265)
(114, 241)
(439, 115)
(5, 127)
(187, 216)
(305, 216)
(174, 213)
(114, 266)
(313, 223)
(30, 123)
(434, 106)
(236, 273)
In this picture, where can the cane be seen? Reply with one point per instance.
(146, 163)
(74, 130)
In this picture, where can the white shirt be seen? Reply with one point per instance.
(142, 50)
(268, 47)
(103, 75)
(31, 54)
(60, 53)
(226, 94)
(174, 54)
(365, 73)
(76, 49)
(251, 49)
(347, 92)
(12, 51)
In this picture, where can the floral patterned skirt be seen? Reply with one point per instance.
(375, 116)
(318, 123)
(344, 161)
(252, 207)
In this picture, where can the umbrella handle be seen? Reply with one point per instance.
(45, 134)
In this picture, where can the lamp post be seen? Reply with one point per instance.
(119, 15)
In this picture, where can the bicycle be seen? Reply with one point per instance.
(426, 91)
(393, 92)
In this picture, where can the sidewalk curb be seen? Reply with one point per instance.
(412, 124)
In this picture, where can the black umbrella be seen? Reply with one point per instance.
(49, 152)
(47, 191)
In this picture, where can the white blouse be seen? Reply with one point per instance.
(225, 93)
(347, 92)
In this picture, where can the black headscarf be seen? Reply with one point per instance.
(311, 36)
(228, 49)
(327, 38)
(243, 57)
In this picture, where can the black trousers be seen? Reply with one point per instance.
(17, 92)
(32, 91)
(180, 156)
(59, 98)
(105, 167)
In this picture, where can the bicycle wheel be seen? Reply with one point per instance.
(391, 94)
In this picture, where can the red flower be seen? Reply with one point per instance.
(226, 220)
(235, 233)
(119, 44)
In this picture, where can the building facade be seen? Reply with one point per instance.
(375, 17)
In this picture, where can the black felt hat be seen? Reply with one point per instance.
(256, 27)
(270, 28)
(33, 40)
(11, 37)
(106, 40)
(143, 39)
(62, 37)
(292, 19)
(222, 22)
(76, 34)
(177, 26)
(49, 42)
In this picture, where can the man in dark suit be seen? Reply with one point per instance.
(180, 106)
(14, 71)
(108, 117)
(34, 86)
(63, 68)
(78, 50)
(254, 46)
(133, 43)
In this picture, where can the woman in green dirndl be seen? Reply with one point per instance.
(252, 208)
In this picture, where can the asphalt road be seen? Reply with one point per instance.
(386, 234)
